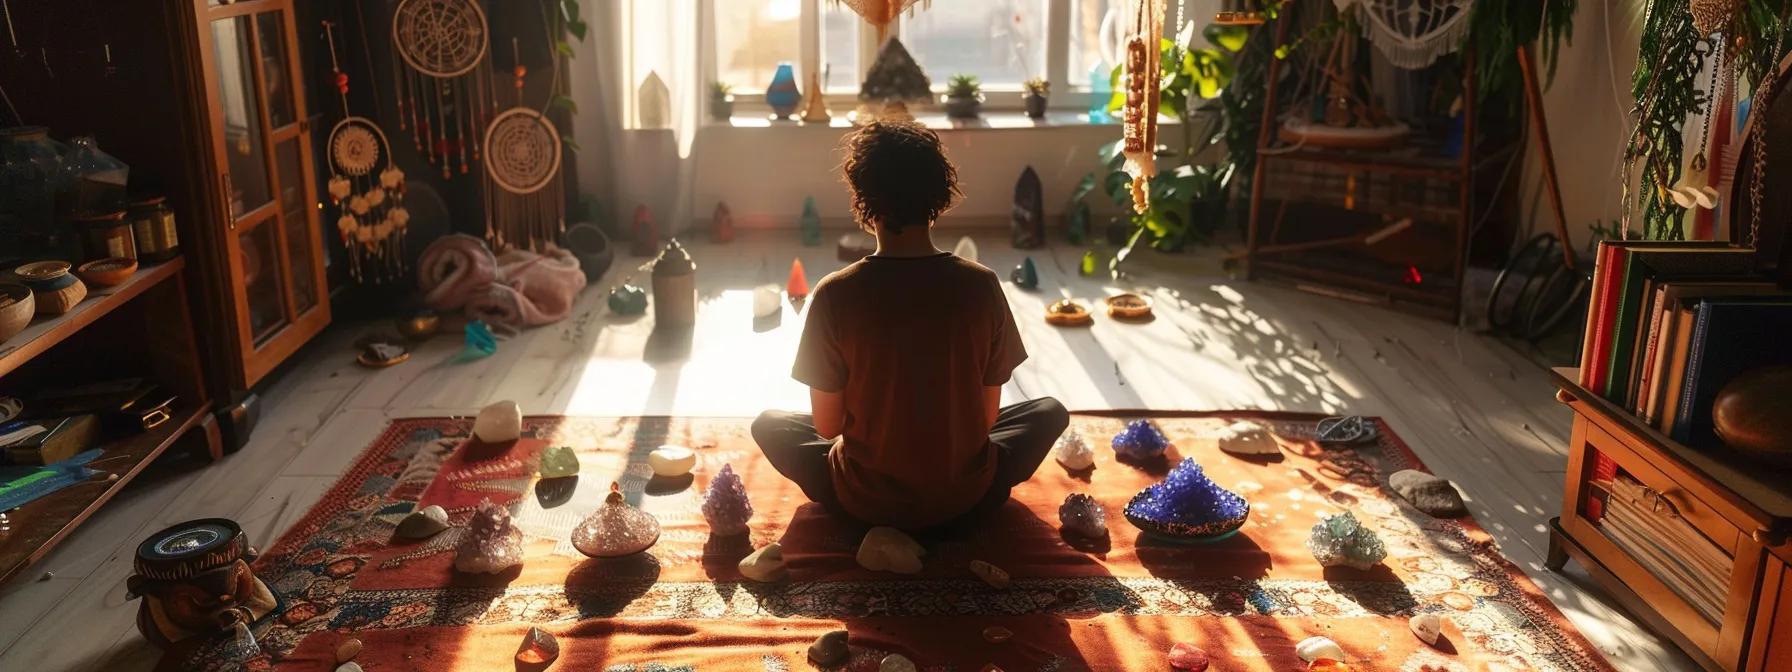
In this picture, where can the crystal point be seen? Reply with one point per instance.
(538, 648)
(1187, 504)
(1026, 275)
(798, 285)
(1343, 540)
(725, 504)
(615, 529)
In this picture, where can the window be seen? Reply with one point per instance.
(840, 32)
(759, 35)
(1088, 19)
(1002, 42)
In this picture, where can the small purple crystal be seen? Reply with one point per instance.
(1187, 505)
(725, 505)
(1082, 515)
(1140, 440)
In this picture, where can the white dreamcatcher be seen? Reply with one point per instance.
(444, 88)
(367, 190)
(1413, 33)
(525, 205)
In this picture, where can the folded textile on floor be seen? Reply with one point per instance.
(509, 291)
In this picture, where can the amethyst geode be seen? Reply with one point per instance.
(726, 506)
(1187, 505)
(1141, 440)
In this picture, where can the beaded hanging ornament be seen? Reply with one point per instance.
(366, 189)
(445, 93)
(879, 13)
(525, 205)
(1145, 29)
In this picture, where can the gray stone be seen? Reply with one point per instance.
(423, 523)
(1428, 493)
(830, 649)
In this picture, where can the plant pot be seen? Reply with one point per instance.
(1035, 105)
(721, 109)
(962, 107)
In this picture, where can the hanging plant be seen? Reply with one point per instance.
(1669, 60)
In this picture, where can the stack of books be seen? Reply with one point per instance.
(1642, 524)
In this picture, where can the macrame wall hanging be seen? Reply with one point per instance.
(367, 190)
(444, 89)
(1144, 31)
(1413, 33)
(525, 205)
(879, 13)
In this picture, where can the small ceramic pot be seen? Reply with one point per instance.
(1035, 105)
(721, 108)
(16, 308)
(55, 290)
(591, 247)
(106, 272)
(962, 107)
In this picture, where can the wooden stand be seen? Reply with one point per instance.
(138, 328)
(1741, 508)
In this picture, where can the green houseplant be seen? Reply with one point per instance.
(721, 101)
(964, 97)
(1038, 93)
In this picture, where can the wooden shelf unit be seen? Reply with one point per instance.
(145, 319)
(1740, 507)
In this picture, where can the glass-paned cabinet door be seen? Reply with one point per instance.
(262, 155)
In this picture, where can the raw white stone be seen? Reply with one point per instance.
(671, 461)
(1073, 452)
(896, 662)
(887, 549)
(501, 422)
(423, 523)
(765, 565)
(1314, 648)
(1427, 627)
(1247, 438)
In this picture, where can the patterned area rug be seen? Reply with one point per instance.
(682, 605)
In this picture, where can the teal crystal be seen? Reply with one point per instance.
(479, 342)
(1187, 505)
(811, 224)
(628, 299)
(558, 462)
(1101, 88)
(1343, 540)
(1026, 275)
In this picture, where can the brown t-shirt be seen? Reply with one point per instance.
(911, 342)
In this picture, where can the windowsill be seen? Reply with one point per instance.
(989, 120)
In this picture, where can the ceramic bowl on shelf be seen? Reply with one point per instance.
(52, 286)
(16, 308)
(106, 272)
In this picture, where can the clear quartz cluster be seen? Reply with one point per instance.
(1187, 504)
(615, 529)
(725, 505)
(1343, 540)
(492, 543)
(1140, 440)
(1073, 452)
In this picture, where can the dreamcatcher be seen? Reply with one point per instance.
(524, 203)
(1413, 33)
(879, 13)
(367, 189)
(444, 91)
(1144, 30)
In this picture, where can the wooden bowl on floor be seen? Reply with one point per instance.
(1068, 313)
(106, 272)
(1128, 306)
(16, 308)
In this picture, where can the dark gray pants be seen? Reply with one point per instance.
(1022, 436)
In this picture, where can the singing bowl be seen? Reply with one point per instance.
(1753, 413)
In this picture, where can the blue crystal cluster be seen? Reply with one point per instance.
(1187, 505)
(725, 505)
(1140, 440)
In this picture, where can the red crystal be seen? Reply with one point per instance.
(539, 648)
(1188, 657)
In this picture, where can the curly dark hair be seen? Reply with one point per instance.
(898, 174)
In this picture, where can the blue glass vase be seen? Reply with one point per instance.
(1100, 90)
(782, 95)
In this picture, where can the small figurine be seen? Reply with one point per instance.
(811, 223)
(725, 504)
(798, 285)
(815, 111)
(721, 224)
(1343, 540)
(628, 299)
(674, 287)
(615, 529)
(1026, 275)
(1140, 440)
(1188, 505)
(646, 238)
(492, 542)
(1027, 217)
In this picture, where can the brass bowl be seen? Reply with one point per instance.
(420, 326)
(1068, 313)
(1128, 306)
(106, 272)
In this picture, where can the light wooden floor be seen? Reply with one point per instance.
(1474, 410)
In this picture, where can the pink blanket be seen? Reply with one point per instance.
(510, 291)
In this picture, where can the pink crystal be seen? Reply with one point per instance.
(539, 648)
(1188, 657)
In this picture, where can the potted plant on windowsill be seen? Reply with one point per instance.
(1037, 93)
(964, 97)
(721, 101)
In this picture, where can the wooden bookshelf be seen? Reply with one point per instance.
(139, 327)
(1737, 506)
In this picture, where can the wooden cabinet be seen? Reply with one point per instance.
(1716, 582)
(257, 141)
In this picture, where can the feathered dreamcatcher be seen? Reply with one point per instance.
(879, 13)
(367, 190)
(1144, 31)
(1413, 33)
(524, 202)
(444, 89)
